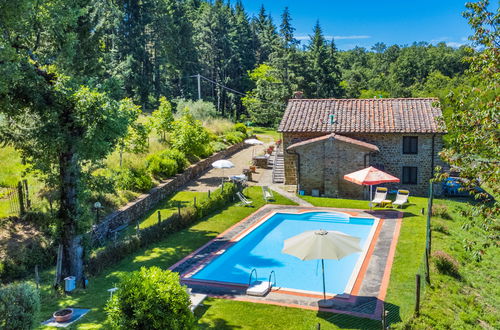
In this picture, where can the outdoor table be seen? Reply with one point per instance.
(386, 203)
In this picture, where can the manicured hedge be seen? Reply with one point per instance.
(188, 215)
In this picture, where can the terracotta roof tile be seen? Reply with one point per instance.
(346, 139)
(411, 115)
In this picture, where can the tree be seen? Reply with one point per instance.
(162, 118)
(58, 125)
(190, 136)
(150, 298)
(323, 72)
(265, 34)
(473, 138)
(266, 102)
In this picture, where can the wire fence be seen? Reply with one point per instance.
(16, 200)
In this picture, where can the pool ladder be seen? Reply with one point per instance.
(270, 284)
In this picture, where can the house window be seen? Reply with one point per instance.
(409, 175)
(410, 144)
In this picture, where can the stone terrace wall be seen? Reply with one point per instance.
(146, 202)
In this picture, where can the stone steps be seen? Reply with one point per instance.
(278, 167)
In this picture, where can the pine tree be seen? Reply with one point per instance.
(266, 37)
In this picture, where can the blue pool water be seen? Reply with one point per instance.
(261, 249)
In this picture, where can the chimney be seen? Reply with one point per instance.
(332, 119)
(298, 94)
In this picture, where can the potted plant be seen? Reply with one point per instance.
(63, 315)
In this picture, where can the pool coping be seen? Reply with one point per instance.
(235, 291)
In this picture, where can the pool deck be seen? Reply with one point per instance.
(367, 296)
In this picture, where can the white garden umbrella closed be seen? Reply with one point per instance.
(322, 244)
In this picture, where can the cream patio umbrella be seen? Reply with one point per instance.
(253, 142)
(322, 244)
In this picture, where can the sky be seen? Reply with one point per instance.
(363, 23)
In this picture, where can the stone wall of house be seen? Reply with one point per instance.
(323, 165)
(290, 159)
(146, 202)
(390, 159)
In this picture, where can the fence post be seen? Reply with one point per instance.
(179, 208)
(20, 196)
(209, 194)
(194, 201)
(417, 295)
(37, 277)
(384, 317)
(27, 194)
(159, 217)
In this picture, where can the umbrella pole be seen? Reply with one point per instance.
(323, 270)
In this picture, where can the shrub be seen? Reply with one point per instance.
(190, 137)
(135, 179)
(234, 137)
(19, 306)
(446, 264)
(441, 211)
(178, 156)
(161, 167)
(218, 146)
(239, 127)
(150, 298)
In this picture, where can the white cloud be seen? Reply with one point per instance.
(335, 37)
(455, 44)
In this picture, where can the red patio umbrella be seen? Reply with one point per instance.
(369, 177)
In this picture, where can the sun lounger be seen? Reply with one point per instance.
(401, 198)
(267, 194)
(380, 196)
(243, 200)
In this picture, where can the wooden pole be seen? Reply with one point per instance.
(179, 209)
(209, 194)
(417, 295)
(159, 217)
(194, 201)
(27, 194)
(37, 277)
(20, 196)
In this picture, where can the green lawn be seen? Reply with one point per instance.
(266, 134)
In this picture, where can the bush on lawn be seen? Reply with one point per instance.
(446, 264)
(135, 179)
(441, 211)
(178, 156)
(19, 306)
(188, 215)
(150, 298)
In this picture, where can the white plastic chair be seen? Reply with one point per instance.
(380, 196)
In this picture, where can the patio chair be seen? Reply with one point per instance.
(243, 200)
(267, 194)
(380, 196)
(401, 198)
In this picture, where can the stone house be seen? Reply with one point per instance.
(324, 139)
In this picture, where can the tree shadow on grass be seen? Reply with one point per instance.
(212, 323)
(363, 305)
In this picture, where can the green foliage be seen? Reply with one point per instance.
(150, 298)
(473, 135)
(161, 167)
(218, 146)
(441, 210)
(162, 118)
(19, 306)
(445, 263)
(233, 137)
(137, 139)
(199, 109)
(240, 127)
(370, 94)
(266, 102)
(135, 179)
(190, 137)
(178, 156)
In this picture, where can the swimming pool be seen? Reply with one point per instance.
(261, 248)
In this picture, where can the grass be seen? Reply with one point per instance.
(266, 134)
(163, 254)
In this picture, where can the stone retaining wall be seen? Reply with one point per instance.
(146, 202)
